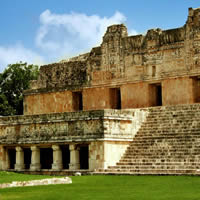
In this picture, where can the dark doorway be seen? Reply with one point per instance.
(196, 89)
(12, 158)
(115, 98)
(156, 94)
(159, 95)
(77, 101)
(46, 158)
(118, 98)
(84, 157)
(27, 158)
(65, 156)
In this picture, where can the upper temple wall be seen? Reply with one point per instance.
(120, 58)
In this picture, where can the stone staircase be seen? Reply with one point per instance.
(167, 143)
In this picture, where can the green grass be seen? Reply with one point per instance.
(106, 187)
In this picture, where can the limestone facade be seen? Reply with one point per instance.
(159, 68)
(84, 112)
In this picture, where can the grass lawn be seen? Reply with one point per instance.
(106, 187)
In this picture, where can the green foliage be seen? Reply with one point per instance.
(107, 188)
(15, 79)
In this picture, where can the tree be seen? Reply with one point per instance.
(15, 79)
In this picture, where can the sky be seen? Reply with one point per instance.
(46, 31)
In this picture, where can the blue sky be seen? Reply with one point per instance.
(45, 31)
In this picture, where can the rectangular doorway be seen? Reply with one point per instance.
(84, 157)
(156, 94)
(65, 156)
(115, 98)
(12, 158)
(27, 157)
(77, 101)
(46, 158)
(196, 89)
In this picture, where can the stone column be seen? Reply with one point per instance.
(92, 156)
(35, 159)
(74, 157)
(5, 160)
(57, 158)
(19, 159)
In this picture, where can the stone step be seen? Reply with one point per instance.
(162, 146)
(192, 142)
(172, 163)
(154, 167)
(149, 172)
(184, 128)
(167, 155)
(164, 153)
(148, 156)
(168, 142)
(166, 137)
(166, 117)
(159, 156)
(161, 160)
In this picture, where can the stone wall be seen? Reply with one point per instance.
(113, 151)
(123, 61)
(181, 89)
(53, 102)
(63, 127)
(71, 127)
(96, 155)
(59, 75)
(122, 125)
(104, 154)
(99, 98)
(135, 95)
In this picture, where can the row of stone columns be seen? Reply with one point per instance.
(57, 158)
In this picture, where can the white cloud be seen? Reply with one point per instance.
(132, 32)
(70, 34)
(17, 53)
(61, 36)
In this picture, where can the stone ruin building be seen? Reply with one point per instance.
(130, 105)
